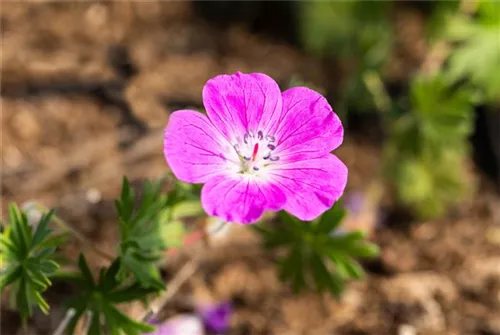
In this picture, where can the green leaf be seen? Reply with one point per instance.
(134, 292)
(23, 300)
(10, 275)
(99, 300)
(126, 201)
(10, 248)
(320, 273)
(41, 231)
(173, 234)
(48, 266)
(17, 229)
(95, 326)
(187, 208)
(310, 248)
(476, 58)
(324, 279)
(109, 280)
(145, 232)
(27, 262)
(353, 269)
(292, 267)
(147, 274)
(331, 219)
(42, 304)
(271, 239)
(84, 268)
(125, 322)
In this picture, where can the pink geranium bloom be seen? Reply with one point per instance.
(258, 149)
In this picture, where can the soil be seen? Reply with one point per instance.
(87, 88)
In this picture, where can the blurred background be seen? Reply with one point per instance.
(87, 88)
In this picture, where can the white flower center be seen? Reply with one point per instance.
(255, 151)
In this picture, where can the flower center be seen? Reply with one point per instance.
(255, 151)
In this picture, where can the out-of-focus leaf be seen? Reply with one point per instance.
(173, 234)
(427, 147)
(141, 231)
(28, 258)
(99, 296)
(477, 58)
(313, 252)
(331, 219)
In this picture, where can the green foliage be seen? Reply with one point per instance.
(344, 28)
(427, 147)
(477, 57)
(100, 297)
(315, 251)
(184, 200)
(437, 21)
(141, 243)
(28, 257)
(358, 33)
(148, 225)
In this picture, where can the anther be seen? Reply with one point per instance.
(271, 146)
(275, 158)
(246, 158)
(267, 156)
(237, 148)
(245, 138)
(256, 168)
(260, 135)
(270, 138)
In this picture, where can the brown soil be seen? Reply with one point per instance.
(87, 88)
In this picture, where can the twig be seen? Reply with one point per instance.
(88, 323)
(172, 287)
(64, 323)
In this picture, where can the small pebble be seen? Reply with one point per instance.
(407, 330)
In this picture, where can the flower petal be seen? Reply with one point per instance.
(241, 102)
(312, 186)
(308, 127)
(238, 198)
(216, 317)
(180, 325)
(193, 148)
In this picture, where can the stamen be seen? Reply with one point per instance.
(270, 138)
(237, 148)
(256, 168)
(267, 156)
(255, 150)
(271, 146)
(245, 138)
(275, 158)
(246, 158)
(260, 135)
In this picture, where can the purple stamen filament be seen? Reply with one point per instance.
(248, 150)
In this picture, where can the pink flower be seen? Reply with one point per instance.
(259, 149)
